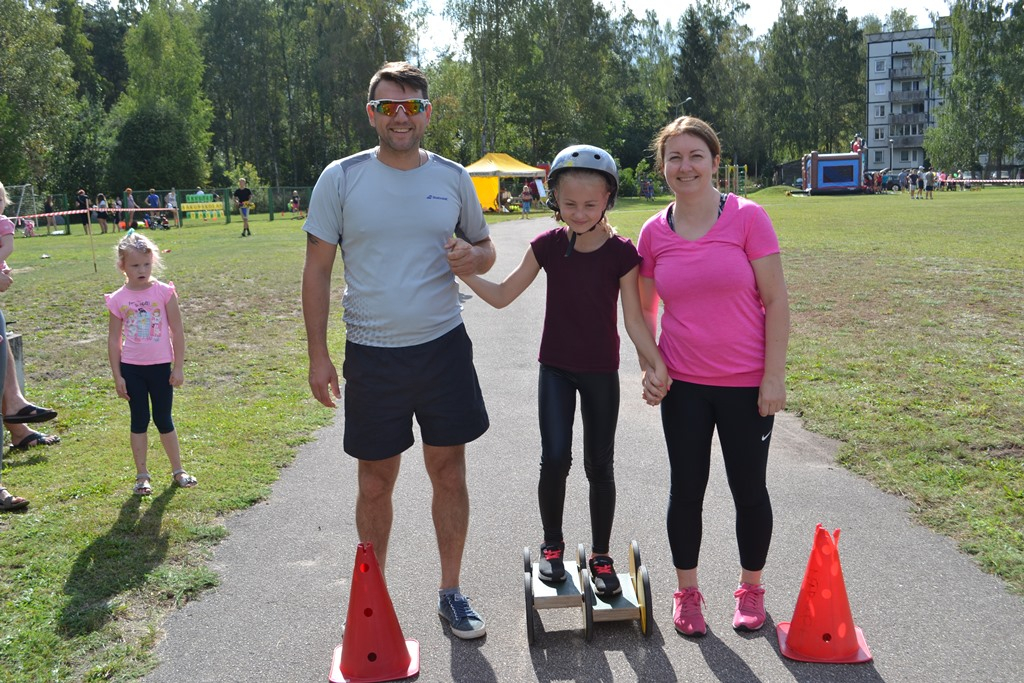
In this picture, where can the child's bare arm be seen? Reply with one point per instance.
(502, 294)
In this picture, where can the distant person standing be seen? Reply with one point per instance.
(51, 224)
(82, 204)
(526, 197)
(153, 202)
(129, 203)
(101, 212)
(243, 199)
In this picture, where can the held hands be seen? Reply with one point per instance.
(656, 383)
(463, 257)
(771, 397)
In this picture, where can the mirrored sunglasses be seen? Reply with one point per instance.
(390, 107)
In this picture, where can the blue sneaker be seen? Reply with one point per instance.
(465, 622)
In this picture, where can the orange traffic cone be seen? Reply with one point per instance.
(822, 629)
(373, 648)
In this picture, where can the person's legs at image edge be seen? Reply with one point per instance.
(8, 501)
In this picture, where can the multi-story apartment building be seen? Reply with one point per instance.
(902, 99)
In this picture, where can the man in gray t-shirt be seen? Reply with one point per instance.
(406, 222)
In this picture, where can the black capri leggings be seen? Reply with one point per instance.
(599, 408)
(689, 414)
(145, 383)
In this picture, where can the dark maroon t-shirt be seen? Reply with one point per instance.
(581, 331)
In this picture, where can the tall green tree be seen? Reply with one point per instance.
(812, 59)
(981, 110)
(642, 83)
(693, 61)
(37, 92)
(77, 46)
(487, 25)
(106, 28)
(165, 64)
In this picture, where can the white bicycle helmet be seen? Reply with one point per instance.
(584, 156)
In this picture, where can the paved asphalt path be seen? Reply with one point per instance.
(927, 612)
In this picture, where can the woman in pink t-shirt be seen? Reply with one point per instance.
(713, 260)
(146, 348)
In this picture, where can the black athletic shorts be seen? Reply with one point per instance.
(435, 382)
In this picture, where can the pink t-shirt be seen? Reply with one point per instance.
(712, 328)
(6, 228)
(145, 337)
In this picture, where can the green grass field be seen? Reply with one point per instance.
(907, 346)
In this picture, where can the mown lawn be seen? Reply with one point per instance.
(907, 345)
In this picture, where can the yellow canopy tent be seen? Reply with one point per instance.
(494, 165)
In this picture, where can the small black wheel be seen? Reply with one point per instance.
(527, 562)
(581, 556)
(528, 589)
(588, 604)
(644, 598)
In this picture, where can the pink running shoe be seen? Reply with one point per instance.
(749, 607)
(688, 618)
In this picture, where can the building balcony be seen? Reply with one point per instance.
(904, 96)
(905, 72)
(895, 119)
(905, 141)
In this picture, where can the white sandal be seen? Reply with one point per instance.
(184, 479)
(143, 485)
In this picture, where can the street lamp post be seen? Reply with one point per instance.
(892, 161)
(681, 107)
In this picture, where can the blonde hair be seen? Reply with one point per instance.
(136, 241)
(685, 125)
(3, 197)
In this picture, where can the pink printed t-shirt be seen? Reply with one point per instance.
(712, 328)
(6, 228)
(145, 337)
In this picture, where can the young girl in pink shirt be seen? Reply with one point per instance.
(146, 347)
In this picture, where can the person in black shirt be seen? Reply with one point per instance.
(82, 202)
(243, 197)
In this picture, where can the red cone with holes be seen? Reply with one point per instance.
(373, 648)
(822, 629)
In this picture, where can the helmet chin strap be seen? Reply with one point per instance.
(572, 238)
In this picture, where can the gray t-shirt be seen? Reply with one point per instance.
(392, 226)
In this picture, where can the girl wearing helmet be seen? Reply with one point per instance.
(588, 267)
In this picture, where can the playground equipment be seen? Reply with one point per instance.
(831, 173)
(577, 592)
(202, 206)
(733, 179)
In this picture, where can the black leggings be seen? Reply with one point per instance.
(145, 382)
(599, 408)
(689, 414)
